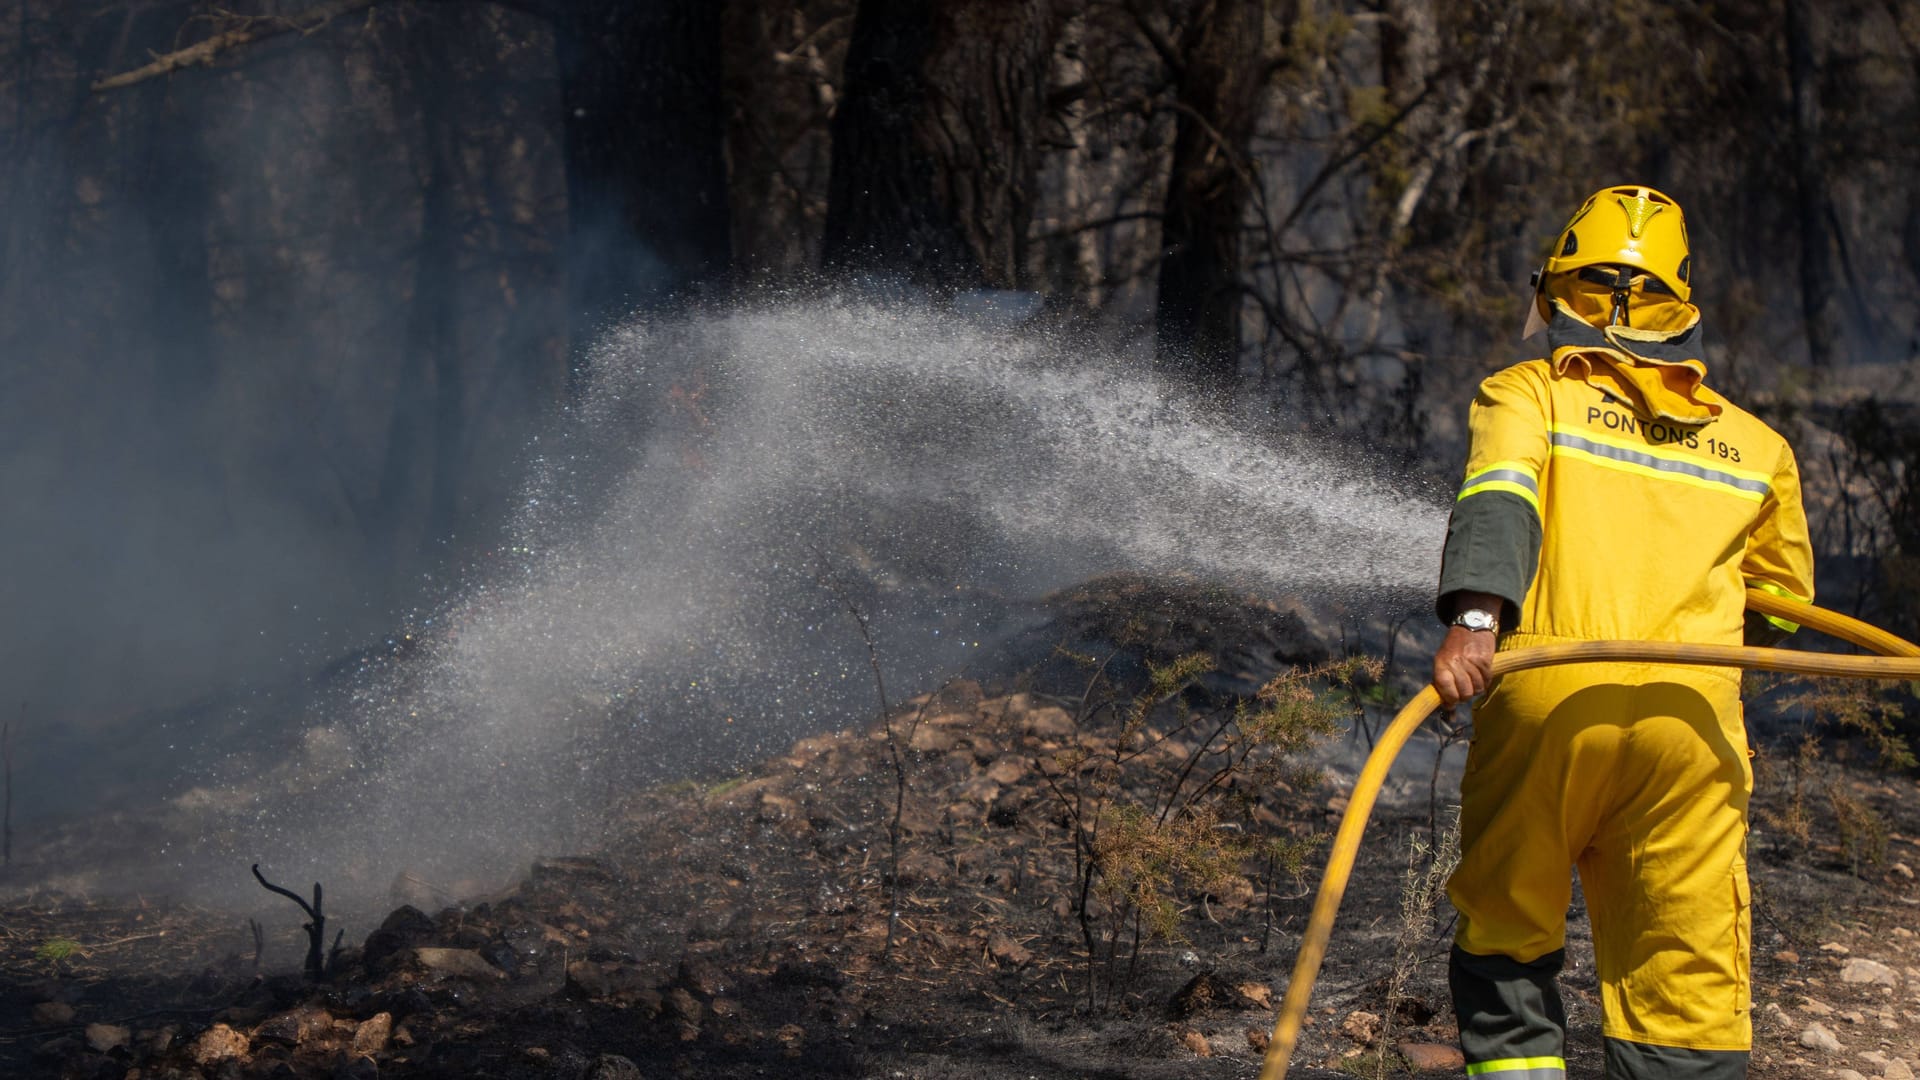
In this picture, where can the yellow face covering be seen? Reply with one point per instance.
(1663, 389)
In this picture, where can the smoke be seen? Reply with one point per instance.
(675, 595)
(208, 286)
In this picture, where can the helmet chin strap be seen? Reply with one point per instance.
(1622, 292)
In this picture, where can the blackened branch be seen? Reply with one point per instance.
(316, 927)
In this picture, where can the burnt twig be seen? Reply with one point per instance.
(316, 925)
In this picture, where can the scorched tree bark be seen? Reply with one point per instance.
(936, 139)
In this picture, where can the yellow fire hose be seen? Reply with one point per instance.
(1366, 788)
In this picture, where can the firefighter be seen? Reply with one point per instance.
(1610, 494)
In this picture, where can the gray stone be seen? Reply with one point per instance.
(931, 739)
(1861, 970)
(1897, 1069)
(1048, 722)
(456, 964)
(1817, 1037)
(105, 1038)
(1007, 770)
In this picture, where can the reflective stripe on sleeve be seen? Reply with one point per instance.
(1531, 1068)
(1513, 477)
(1642, 460)
(1775, 590)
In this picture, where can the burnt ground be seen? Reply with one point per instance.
(742, 927)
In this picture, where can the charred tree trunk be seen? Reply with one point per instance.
(177, 202)
(419, 470)
(935, 142)
(1812, 200)
(644, 132)
(1224, 75)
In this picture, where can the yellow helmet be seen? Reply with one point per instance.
(1629, 225)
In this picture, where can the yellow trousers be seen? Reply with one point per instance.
(1638, 775)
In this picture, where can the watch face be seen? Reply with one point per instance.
(1475, 619)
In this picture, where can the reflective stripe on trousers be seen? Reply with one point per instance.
(1533, 1068)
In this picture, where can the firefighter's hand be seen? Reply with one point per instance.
(1464, 665)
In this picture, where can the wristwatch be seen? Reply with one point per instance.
(1476, 619)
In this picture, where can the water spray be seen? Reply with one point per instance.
(1366, 788)
(661, 605)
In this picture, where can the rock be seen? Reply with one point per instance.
(1361, 1027)
(106, 1038)
(52, 1013)
(684, 1006)
(371, 1036)
(1835, 948)
(1432, 1057)
(1007, 770)
(1897, 1069)
(587, 979)
(1257, 1039)
(403, 928)
(1814, 1007)
(218, 1043)
(702, 977)
(1259, 994)
(294, 1027)
(930, 739)
(1047, 722)
(1817, 1037)
(456, 964)
(1874, 1058)
(1854, 1016)
(1201, 992)
(1903, 870)
(1007, 952)
(1862, 970)
(1846, 1074)
(1902, 932)
(612, 1067)
(1787, 956)
(979, 790)
(1197, 1043)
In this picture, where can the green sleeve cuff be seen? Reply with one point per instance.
(1493, 546)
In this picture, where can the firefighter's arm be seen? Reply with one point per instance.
(1493, 537)
(1779, 556)
(1464, 665)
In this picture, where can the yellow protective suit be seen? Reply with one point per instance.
(1652, 503)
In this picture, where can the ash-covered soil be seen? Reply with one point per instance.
(767, 925)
